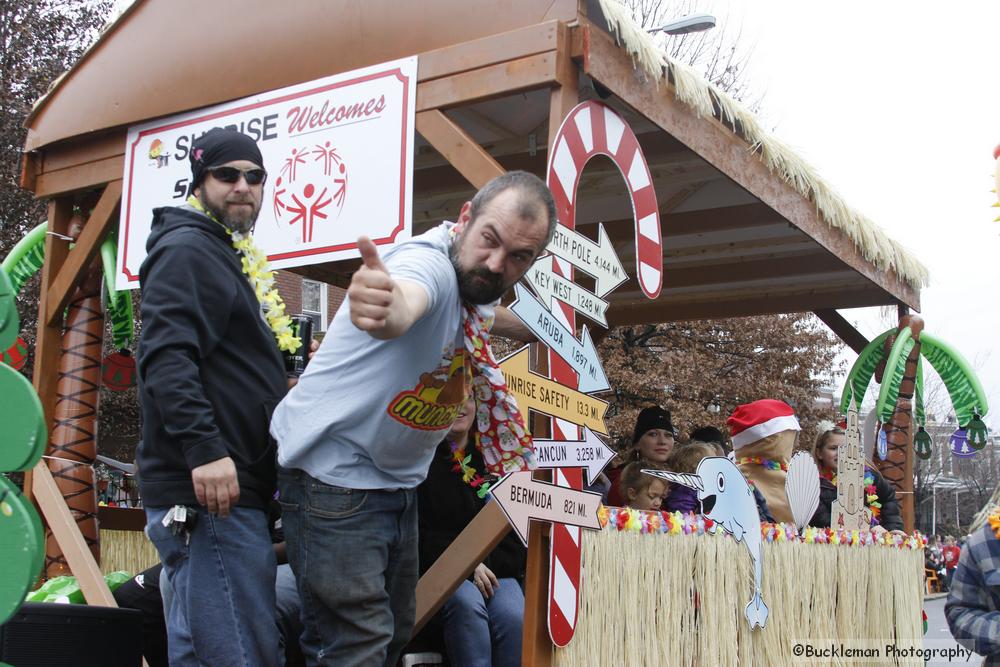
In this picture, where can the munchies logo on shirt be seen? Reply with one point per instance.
(433, 404)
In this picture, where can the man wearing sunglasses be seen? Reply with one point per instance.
(210, 374)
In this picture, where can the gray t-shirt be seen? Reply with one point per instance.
(368, 413)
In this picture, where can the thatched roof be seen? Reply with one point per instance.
(706, 99)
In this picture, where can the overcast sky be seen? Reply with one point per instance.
(898, 106)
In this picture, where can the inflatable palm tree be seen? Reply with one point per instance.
(895, 360)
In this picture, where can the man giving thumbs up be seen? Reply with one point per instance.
(356, 435)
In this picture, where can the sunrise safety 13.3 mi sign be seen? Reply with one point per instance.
(339, 157)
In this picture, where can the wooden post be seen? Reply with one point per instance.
(47, 348)
(536, 645)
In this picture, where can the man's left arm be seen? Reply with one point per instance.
(507, 324)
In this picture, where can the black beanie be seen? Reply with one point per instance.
(709, 434)
(219, 146)
(650, 418)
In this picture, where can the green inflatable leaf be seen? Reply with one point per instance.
(967, 395)
(860, 375)
(895, 367)
(9, 320)
(26, 257)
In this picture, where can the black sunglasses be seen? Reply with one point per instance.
(254, 176)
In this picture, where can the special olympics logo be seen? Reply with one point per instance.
(312, 179)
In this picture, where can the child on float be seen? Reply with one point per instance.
(641, 491)
(652, 442)
(879, 495)
(685, 459)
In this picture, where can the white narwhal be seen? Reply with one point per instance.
(727, 500)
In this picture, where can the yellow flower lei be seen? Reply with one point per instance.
(261, 277)
(995, 523)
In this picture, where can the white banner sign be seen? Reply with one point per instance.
(339, 157)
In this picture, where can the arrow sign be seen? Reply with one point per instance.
(537, 392)
(595, 259)
(550, 285)
(580, 355)
(522, 498)
(590, 453)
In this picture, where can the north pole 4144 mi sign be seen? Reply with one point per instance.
(339, 157)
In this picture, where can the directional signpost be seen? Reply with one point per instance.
(590, 453)
(581, 355)
(537, 392)
(590, 129)
(550, 285)
(595, 259)
(522, 498)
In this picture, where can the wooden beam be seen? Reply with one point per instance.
(486, 51)
(613, 68)
(536, 645)
(843, 329)
(535, 71)
(48, 341)
(67, 533)
(83, 253)
(447, 138)
(715, 273)
(81, 177)
(468, 550)
(730, 304)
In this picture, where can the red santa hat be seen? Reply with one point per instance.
(755, 421)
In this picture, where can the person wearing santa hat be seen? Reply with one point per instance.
(763, 435)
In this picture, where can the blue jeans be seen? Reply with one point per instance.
(354, 554)
(477, 629)
(221, 578)
(288, 617)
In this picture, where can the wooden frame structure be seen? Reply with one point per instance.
(493, 87)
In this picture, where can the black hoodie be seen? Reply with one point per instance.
(210, 372)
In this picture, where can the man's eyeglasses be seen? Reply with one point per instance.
(254, 176)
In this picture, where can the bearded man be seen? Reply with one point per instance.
(210, 374)
(357, 434)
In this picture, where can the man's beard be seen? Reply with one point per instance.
(477, 285)
(241, 221)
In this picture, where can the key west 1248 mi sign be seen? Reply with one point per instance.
(339, 157)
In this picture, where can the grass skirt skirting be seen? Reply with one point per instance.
(675, 595)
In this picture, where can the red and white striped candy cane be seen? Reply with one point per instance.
(590, 129)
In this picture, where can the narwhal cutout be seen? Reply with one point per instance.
(727, 500)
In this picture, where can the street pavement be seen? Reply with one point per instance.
(939, 636)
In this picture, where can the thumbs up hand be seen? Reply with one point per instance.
(372, 290)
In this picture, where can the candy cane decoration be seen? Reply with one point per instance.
(591, 129)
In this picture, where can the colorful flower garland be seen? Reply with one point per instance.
(626, 519)
(871, 492)
(469, 474)
(257, 271)
(766, 463)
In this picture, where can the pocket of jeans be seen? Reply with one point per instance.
(335, 502)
